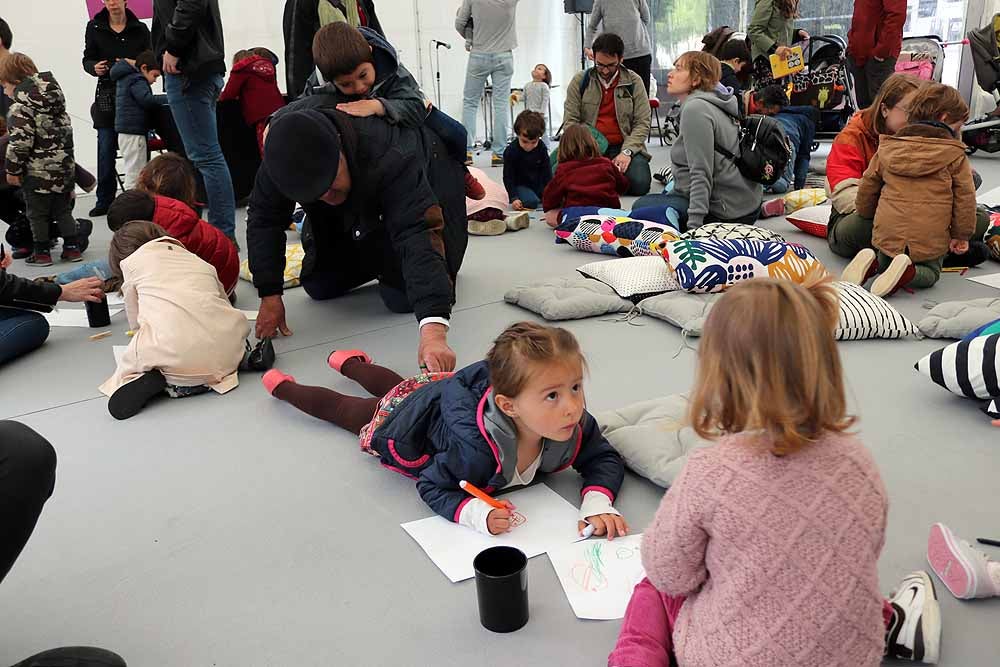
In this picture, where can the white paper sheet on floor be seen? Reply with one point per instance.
(990, 280)
(598, 576)
(549, 521)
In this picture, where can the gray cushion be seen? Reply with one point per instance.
(957, 319)
(652, 436)
(682, 309)
(568, 298)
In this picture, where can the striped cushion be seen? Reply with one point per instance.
(864, 315)
(968, 368)
(992, 408)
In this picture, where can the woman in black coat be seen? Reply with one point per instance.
(113, 34)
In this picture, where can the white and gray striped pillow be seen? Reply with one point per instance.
(968, 368)
(864, 315)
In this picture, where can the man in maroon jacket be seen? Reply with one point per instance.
(873, 44)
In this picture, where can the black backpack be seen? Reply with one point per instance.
(764, 150)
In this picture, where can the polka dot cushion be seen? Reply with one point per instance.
(615, 235)
(728, 230)
(712, 265)
(633, 278)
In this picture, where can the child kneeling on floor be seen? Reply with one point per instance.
(920, 191)
(765, 549)
(188, 338)
(496, 424)
(584, 177)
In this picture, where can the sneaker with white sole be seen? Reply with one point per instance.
(487, 227)
(517, 221)
(914, 632)
(861, 268)
(967, 572)
(897, 275)
(773, 208)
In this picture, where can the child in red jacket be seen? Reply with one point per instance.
(180, 222)
(254, 83)
(583, 178)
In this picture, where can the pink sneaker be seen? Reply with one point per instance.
(773, 208)
(337, 358)
(968, 573)
(273, 378)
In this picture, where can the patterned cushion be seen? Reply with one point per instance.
(618, 236)
(992, 236)
(293, 266)
(985, 330)
(968, 368)
(864, 315)
(992, 408)
(812, 220)
(807, 197)
(632, 278)
(711, 265)
(730, 230)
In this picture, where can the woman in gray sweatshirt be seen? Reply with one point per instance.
(711, 183)
(629, 19)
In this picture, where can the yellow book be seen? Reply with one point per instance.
(788, 65)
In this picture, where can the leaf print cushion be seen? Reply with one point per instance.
(619, 236)
(712, 265)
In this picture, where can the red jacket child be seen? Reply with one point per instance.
(199, 237)
(254, 83)
(591, 182)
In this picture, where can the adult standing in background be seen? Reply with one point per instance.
(187, 35)
(301, 22)
(873, 44)
(494, 38)
(629, 19)
(115, 33)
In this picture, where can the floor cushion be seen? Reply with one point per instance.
(985, 330)
(652, 436)
(684, 310)
(804, 198)
(293, 266)
(957, 319)
(615, 235)
(992, 408)
(568, 298)
(812, 220)
(864, 315)
(711, 265)
(633, 278)
(732, 230)
(968, 368)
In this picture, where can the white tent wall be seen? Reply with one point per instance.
(545, 34)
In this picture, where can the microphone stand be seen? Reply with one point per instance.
(437, 74)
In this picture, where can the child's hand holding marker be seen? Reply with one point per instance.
(498, 520)
(611, 525)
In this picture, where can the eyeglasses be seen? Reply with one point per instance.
(605, 67)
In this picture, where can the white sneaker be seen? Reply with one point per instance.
(861, 268)
(487, 227)
(967, 572)
(517, 221)
(914, 633)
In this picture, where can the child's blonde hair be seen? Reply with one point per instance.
(768, 362)
(938, 102)
(16, 67)
(577, 143)
(517, 352)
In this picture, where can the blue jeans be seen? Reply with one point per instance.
(500, 68)
(21, 331)
(451, 132)
(192, 104)
(528, 197)
(107, 175)
(86, 270)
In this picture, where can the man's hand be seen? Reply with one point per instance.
(958, 247)
(101, 68)
(271, 318)
(85, 289)
(589, 53)
(171, 63)
(363, 108)
(622, 161)
(783, 51)
(434, 355)
(14, 180)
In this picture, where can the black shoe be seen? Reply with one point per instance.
(84, 228)
(132, 397)
(98, 211)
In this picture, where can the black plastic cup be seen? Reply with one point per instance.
(502, 588)
(97, 313)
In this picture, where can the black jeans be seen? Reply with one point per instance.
(869, 78)
(27, 477)
(642, 66)
(43, 209)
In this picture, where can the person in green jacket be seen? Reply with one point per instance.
(772, 30)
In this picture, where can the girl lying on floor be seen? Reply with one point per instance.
(496, 424)
(188, 338)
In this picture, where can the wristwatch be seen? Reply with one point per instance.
(628, 152)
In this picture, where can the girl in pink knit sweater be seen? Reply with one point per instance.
(763, 552)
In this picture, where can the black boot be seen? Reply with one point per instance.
(132, 397)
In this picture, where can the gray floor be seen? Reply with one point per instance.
(230, 530)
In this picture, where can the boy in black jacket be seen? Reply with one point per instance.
(526, 166)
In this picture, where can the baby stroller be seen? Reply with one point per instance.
(983, 133)
(826, 84)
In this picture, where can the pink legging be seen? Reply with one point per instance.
(646, 639)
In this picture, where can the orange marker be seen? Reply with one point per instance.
(482, 495)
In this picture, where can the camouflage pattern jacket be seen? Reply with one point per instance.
(41, 136)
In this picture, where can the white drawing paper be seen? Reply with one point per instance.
(73, 317)
(990, 280)
(598, 576)
(547, 520)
